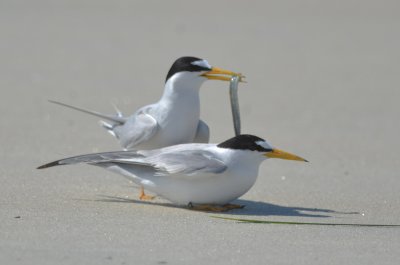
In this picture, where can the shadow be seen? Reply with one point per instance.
(257, 208)
(115, 199)
(253, 208)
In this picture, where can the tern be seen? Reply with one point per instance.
(202, 176)
(175, 118)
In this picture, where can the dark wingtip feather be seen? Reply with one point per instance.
(52, 164)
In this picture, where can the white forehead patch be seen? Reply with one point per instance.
(264, 144)
(202, 63)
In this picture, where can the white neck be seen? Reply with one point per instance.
(182, 84)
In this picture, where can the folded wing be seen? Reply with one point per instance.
(182, 162)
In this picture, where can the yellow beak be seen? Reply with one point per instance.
(221, 74)
(276, 153)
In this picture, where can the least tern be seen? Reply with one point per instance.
(203, 176)
(175, 118)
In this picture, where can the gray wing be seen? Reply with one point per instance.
(117, 119)
(95, 158)
(139, 128)
(202, 133)
(187, 162)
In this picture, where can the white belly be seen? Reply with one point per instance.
(212, 189)
(200, 188)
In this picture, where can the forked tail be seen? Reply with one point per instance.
(114, 119)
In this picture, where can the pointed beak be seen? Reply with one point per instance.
(221, 74)
(276, 153)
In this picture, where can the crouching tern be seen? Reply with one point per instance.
(203, 176)
(175, 118)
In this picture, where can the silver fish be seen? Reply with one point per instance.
(233, 93)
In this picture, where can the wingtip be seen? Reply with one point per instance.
(52, 164)
(53, 101)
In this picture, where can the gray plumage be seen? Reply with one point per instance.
(190, 173)
(186, 159)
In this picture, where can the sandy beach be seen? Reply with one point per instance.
(322, 82)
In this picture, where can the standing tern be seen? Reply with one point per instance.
(175, 118)
(203, 176)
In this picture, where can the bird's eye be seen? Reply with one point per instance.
(264, 145)
(203, 64)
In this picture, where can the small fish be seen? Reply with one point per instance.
(233, 93)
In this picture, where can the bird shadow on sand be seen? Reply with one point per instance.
(252, 208)
(258, 208)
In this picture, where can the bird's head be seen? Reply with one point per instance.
(253, 143)
(192, 69)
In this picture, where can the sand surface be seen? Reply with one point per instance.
(323, 82)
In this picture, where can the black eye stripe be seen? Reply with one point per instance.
(185, 64)
(245, 142)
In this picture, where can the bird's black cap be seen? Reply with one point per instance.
(246, 142)
(185, 64)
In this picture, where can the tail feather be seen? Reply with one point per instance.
(96, 158)
(51, 164)
(109, 127)
(118, 119)
(119, 113)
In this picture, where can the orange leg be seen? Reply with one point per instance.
(214, 208)
(143, 196)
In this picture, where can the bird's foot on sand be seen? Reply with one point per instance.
(145, 197)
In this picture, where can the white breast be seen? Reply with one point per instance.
(209, 188)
